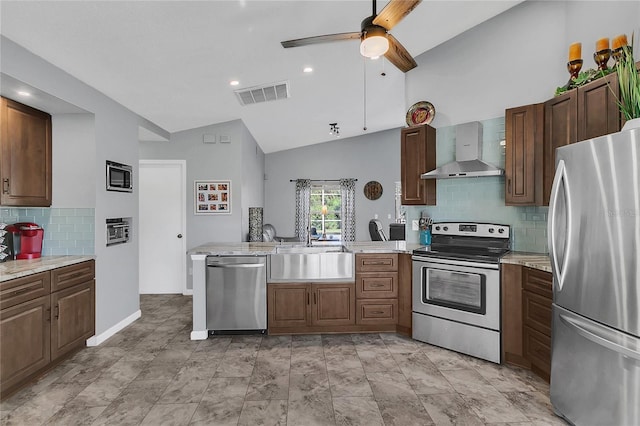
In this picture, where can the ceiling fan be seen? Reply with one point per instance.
(374, 36)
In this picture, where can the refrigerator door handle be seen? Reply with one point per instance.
(560, 177)
(602, 337)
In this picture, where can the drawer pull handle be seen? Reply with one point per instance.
(377, 285)
(76, 275)
(377, 312)
(22, 290)
(57, 315)
(5, 186)
(376, 263)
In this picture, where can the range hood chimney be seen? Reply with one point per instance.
(468, 154)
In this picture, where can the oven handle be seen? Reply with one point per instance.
(468, 264)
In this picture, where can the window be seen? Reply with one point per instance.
(328, 225)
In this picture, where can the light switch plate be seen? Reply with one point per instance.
(414, 225)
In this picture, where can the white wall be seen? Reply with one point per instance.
(252, 163)
(517, 58)
(73, 158)
(370, 157)
(116, 138)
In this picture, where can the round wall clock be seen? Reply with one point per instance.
(373, 190)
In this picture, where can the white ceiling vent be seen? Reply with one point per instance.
(264, 93)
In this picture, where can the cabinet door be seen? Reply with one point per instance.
(25, 136)
(73, 318)
(333, 304)
(405, 293)
(524, 133)
(417, 156)
(288, 305)
(512, 324)
(25, 333)
(561, 128)
(598, 112)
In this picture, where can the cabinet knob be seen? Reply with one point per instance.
(179, 235)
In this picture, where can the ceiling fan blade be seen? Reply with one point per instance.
(320, 39)
(394, 12)
(399, 56)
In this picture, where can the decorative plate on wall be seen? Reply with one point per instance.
(373, 190)
(421, 113)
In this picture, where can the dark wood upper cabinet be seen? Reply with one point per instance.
(561, 128)
(418, 156)
(598, 111)
(25, 146)
(524, 132)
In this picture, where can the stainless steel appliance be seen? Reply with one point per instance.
(117, 231)
(594, 245)
(456, 288)
(119, 177)
(236, 292)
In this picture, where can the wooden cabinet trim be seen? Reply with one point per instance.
(539, 282)
(333, 304)
(377, 311)
(376, 285)
(537, 348)
(536, 312)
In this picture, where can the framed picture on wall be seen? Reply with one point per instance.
(212, 197)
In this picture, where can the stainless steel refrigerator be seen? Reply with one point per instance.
(594, 245)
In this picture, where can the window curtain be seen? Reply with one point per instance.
(348, 209)
(303, 197)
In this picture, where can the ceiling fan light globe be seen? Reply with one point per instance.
(374, 46)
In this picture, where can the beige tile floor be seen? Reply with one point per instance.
(151, 374)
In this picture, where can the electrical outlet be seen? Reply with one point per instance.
(389, 216)
(414, 225)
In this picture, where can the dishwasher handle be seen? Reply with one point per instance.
(236, 265)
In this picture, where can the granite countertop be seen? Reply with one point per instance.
(21, 268)
(539, 261)
(263, 249)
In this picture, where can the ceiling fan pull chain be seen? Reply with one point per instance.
(364, 79)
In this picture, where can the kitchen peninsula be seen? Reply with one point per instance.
(376, 249)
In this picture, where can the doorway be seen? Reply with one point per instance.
(162, 225)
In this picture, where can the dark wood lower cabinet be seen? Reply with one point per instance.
(38, 333)
(333, 304)
(25, 335)
(73, 318)
(527, 296)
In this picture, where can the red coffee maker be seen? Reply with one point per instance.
(25, 240)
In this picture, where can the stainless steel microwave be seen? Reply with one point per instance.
(119, 177)
(117, 231)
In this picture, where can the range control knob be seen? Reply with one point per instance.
(437, 228)
(491, 230)
(501, 231)
(446, 228)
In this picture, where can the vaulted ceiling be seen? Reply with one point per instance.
(172, 61)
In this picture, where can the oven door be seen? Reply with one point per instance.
(461, 291)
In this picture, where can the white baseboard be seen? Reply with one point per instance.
(96, 340)
(187, 292)
(199, 335)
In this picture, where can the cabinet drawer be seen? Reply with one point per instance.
(20, 290)
(537, 349)
(376, 262)
(540, 282)
(536, 311)
(377, 286)
(68, 276)
(377, 311)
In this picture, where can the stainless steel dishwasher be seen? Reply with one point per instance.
(236, 293)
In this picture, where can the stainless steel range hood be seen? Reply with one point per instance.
(468, 154)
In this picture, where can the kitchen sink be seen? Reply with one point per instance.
(302, 263)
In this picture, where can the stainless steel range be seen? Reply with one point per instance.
(456, 288)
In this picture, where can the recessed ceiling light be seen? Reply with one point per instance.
(23, 93)
(234, 82)
(307, 69)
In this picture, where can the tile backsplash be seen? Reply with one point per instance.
(67, 231)
(481, 199)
